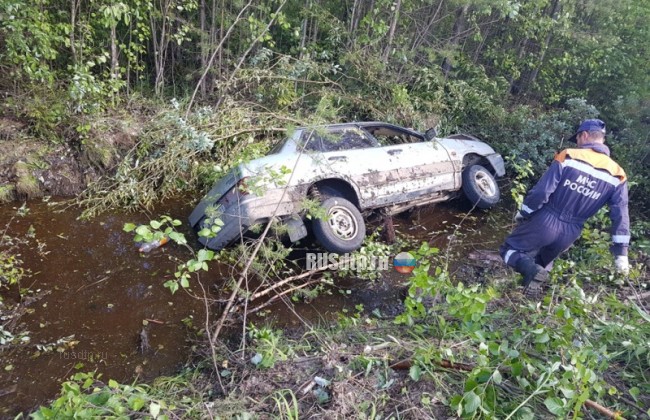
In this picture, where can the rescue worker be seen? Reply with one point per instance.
(577, 184)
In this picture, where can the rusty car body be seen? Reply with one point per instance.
(351, 169)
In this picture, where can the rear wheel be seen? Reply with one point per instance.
(480, 187)
(343, 230)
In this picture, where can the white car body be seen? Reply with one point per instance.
(348, 158)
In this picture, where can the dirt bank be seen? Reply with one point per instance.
(32, 167)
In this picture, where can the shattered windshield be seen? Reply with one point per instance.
(349, 138)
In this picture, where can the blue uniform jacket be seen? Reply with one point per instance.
(577, 184)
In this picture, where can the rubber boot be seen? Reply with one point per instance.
(534, 278)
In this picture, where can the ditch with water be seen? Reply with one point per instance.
(91, 299)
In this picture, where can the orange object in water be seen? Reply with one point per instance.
(150, 246)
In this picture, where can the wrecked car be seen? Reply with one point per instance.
(352, 170)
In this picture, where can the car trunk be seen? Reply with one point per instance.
(220, 188)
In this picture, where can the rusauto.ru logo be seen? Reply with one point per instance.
(403, 262)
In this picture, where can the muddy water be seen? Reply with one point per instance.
(89, 284)
(470, 242)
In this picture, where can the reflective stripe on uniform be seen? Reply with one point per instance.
(526, 208)
(583, 167)
(621, 239)
(508, 255)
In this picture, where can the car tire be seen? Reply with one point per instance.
(343, 230)
(480, 187)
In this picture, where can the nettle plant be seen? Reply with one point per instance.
(165, 227)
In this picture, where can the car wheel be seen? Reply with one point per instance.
(480, 187)
(343, 230)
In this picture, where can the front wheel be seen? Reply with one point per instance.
(480, 187)
(343, 230)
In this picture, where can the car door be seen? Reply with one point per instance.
(424, 167)
(349, 153)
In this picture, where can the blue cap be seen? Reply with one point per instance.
(589, 125)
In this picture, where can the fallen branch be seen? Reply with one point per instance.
(92, 284)
(639, 296)
(279, 295)
(604, 410)
(296, 277)
(447, 364)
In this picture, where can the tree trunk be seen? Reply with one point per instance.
(303, 28)
(114, 62)
(160, 43)
(73, 23)
(514, 83)
(547, 42)
(354, 23)
(314, 24)
(391, 31)
(204, 47)
(459, 27)
(418, 38)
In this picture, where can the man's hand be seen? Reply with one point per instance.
(519, 217)
(622, 264)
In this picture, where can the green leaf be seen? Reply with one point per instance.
(113, 384)
(204, 233)
(641, 312)
(568, 393)
(155, 224)
(171, 285)
(100, 399)
(143, 230)
(456, 403)
(177, 237)
(128, 227)
(415, 372)
(136, 403)
(496, 377)
(472, 402)
(185, 283)
(205, 255)
(554, 405)
(525, 413)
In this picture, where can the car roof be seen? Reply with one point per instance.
(364, 124)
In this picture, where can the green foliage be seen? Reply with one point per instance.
(286, 404)
(556, 357)
(176, 154)
(11, 271)
(66, 63)
(523, 170)
(11, 263)
(421, 285)
(32, 36)
(269, 346)
(84, 395)
(368, 262)
(164, 229)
